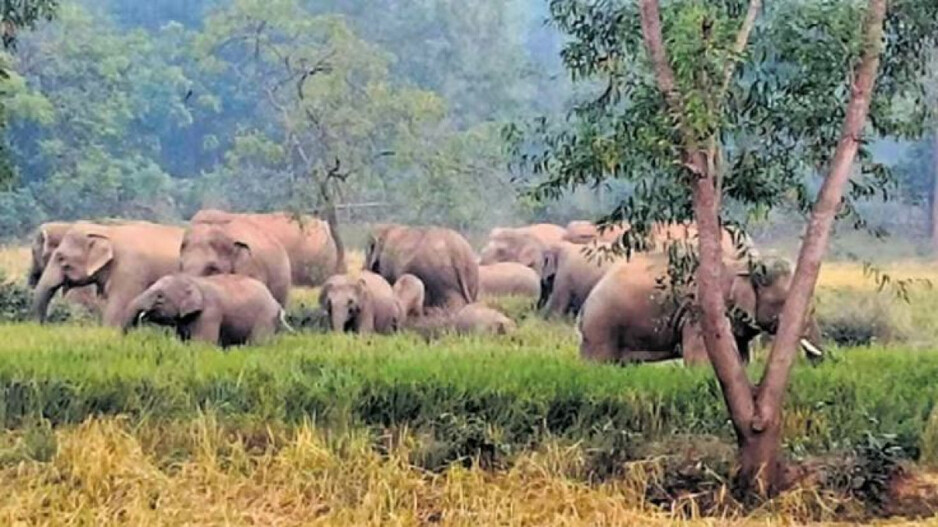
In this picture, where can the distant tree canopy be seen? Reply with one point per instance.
(155, 109)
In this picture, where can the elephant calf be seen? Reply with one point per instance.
(361, 305)
(410, 292)
(226, 310)
(479, 318)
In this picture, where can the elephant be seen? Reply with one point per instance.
(239, 247)
(121, 261)
(309, 242)
(360, 305)
(224, 310)
(513, 246)
(46, 240)
(582, 232)
(508, 278)
(410, 293)
(479, 318)
(632, 315)
(441, 258)
(545, 233)
(569, 273)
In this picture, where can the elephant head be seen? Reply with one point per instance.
(170, 300)
(550, 263)
(346, 303)
(82, 258)
(46, 241)
(207, 249)
(507, 246)
(757, 296)
(375, 247)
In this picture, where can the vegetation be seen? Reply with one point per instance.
(718, 113)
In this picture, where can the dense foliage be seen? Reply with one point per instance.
(153, 110)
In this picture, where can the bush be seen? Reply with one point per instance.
(16, 300)
(861, 318)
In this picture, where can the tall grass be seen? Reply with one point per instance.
(492, 394)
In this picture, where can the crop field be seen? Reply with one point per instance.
(510, 430)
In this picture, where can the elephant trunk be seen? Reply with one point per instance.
(35, 274)
(135, 312)
(51, 280)
(338, 318)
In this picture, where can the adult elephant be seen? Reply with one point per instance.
(314, 252)
(545, 233)
(508, 278)
(121, 261)
(580, 231)
(569, 273)
(512, 245)
(441, 258)
(238, 246)
(630, 317)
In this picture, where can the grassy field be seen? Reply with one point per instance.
(340, 430)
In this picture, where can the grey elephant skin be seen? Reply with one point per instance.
(362, 304)
(479, 318)
(224, 310)
(441, 258)
(120, 261)
(570, 271)
(509, 279)
(516, 245)
(633, 315)
(238, 247)
(410, 294)
(308, 241)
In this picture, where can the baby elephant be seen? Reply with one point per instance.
(361, 305)
(410, 293)
(509, 278)
(225, 310)
(478, 318)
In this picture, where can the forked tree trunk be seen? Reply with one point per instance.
(756, 413)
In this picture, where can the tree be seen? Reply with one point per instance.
(719, 112)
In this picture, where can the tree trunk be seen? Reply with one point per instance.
(756, 414)
(934, 193)
(771, 394)
(332, 219)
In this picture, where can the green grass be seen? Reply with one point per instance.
(508, 392)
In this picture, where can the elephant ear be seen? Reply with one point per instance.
(100, 253)
(361, 287)
(532, 257)
(550, 261)
(742, 293)
(324, 293)
(766, 272)
(243, 259)
(193, 300)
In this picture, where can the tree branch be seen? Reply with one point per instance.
(785, 347)
(654, 44)
(742, 40)
(721, 347)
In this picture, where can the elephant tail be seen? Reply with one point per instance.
(284, 325)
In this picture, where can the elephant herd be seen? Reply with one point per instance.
(226, 277)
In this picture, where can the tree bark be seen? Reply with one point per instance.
(771, 393)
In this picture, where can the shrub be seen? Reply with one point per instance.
(861, 318)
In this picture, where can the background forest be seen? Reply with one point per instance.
(393, 109)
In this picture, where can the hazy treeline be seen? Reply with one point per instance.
(394, 109)
(155, 109)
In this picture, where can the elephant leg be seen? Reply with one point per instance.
(598, 342)
(742, 346)
(206, 328)
(693, 348)
(116, 310)
(559, 301)
(263, 332)
(366, 321)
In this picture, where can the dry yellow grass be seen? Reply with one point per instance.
(850, 275)
(14, 261)
(105, 473)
